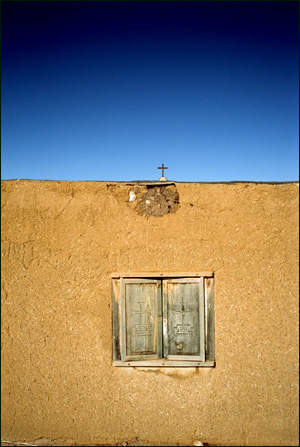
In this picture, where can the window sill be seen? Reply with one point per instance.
(165, 363)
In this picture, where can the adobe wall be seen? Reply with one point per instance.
(60, 243)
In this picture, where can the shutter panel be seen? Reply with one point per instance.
(141, 321)
(184, 330)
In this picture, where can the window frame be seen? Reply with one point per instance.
(206, 280)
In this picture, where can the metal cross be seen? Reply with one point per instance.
(163, 168)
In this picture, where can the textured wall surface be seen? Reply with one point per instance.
(60, 243)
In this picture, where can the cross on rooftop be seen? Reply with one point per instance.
(163, 169)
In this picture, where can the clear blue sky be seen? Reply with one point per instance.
(96, 90)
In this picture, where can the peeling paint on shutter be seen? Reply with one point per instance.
(141, 320)
(184, 330)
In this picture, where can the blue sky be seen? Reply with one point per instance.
(96, 90)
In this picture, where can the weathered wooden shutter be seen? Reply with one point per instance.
(209, 319)
(183, 328)
(141, 319)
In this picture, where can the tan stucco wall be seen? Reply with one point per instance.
(60, 243)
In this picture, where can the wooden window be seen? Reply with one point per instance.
(163, 319)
